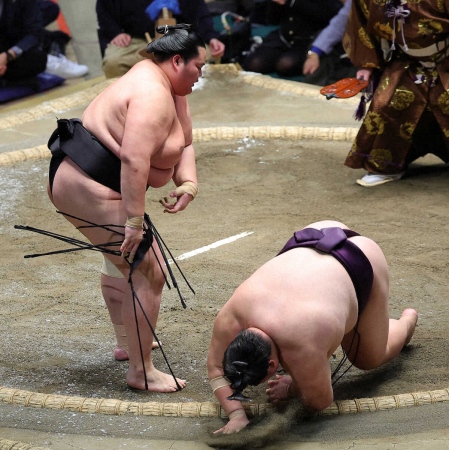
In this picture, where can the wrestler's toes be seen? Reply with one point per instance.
(410, 312)
(411, 316)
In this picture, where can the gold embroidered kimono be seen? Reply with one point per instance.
(409, 96)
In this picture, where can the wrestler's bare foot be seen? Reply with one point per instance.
(411, 316)
(278, 388)
(121, 354)
(157, 381)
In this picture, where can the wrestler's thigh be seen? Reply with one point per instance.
(78, 195)
(369, 350)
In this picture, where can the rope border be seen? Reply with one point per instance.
(293, 133)
(198, 409)
(6, 444)
(206, 409)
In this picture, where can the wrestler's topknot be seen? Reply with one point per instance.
(181, 39)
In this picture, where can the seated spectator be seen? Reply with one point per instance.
(20, 37)
(55, 41)
(326, 60)
(54, 44)
(124, 24)
(284, 50)
(49, 10)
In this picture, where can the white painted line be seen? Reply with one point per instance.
(211, 246)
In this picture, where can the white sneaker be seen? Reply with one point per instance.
(63, 67)
(375, 179)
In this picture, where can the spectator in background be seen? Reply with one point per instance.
(49, 10)
(54, 44)
(55, 41)
(242, 7)
(284, 50)
(124, 24)
(402, 47)
(21, 58)
(326, 60)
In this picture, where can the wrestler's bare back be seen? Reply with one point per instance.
(140, 113)
(300, 299)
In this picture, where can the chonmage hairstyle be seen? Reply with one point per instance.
(180, 39)
(246, 362)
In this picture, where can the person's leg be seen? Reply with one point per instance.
(74, 193)
(263, 59)
(148, 281)
(50, 11)
(427, 138)
(118, 60)
(113, 288)
(29, 65)
(290, 63)
(380, 338)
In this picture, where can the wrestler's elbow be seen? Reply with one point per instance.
(318, 403)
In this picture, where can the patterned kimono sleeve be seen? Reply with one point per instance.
(360, 43)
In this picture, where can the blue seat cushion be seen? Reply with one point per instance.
(44, 81)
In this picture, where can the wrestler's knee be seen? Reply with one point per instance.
(153, 271)
(369, 361)
(157, 277)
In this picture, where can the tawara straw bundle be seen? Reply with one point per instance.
(216, 133)
(192, 409)
(206, 409)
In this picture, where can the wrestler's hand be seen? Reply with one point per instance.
(234, 425)
(183, 194)
(181, 202)
(133, 238)
(278, 389)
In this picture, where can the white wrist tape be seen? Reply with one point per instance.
(134, 222)
(188, 187)
(218, 383)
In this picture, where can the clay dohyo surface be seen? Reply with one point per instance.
(56, 334)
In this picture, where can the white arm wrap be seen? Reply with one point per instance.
(219, 382)
(188, 187)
